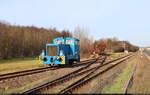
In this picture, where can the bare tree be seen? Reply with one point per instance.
(85, 41)
(27, 40)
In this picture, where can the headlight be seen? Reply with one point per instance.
(58, 59)
(51, 59)
(45, 59)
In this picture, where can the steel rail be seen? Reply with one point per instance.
(37, 70)
(128, 82)
(58, 80)
(73, 74)
(89, 77)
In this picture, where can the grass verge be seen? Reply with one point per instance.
(14, 65)
(117, 85)
(17, 64)
(16, 59)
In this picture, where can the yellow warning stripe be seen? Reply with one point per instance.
(63, 60)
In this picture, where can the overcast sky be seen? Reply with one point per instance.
(124, 19)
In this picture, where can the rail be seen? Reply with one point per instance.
(78, 72)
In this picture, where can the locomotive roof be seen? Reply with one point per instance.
(67, 38)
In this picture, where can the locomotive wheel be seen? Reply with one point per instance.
(60, 65)
(78, 61)
(71, 62)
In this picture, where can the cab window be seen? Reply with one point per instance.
(77, 42)
(58, 42)
(69, 41)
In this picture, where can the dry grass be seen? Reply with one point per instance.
(114, 55)
(19, 65)
(13, 65)
(117, 85)
(141, 81)
(24, 82)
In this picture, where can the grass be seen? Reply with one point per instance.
(83, 59)
(17, 64)
(118, 82)
(15, 59)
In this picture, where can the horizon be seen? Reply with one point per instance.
(125, 20)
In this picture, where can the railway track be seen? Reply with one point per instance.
(67, 76)
(39, 70)
(82, 76)
(128, 82)
(89, 77)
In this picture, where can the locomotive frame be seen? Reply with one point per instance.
(63, 50)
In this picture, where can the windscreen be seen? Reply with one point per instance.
(69, 41)
(51, 50)
(58, 42)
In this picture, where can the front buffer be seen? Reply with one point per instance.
(55, 60)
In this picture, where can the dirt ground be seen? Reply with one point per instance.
(141, 79)
(19, 83)
(96, 85)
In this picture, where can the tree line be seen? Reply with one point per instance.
(16, 40)
(28, 41)
(114, 45)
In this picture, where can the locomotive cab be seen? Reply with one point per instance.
(62, 51)
(54, 54)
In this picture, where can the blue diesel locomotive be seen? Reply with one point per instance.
(64, 50)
